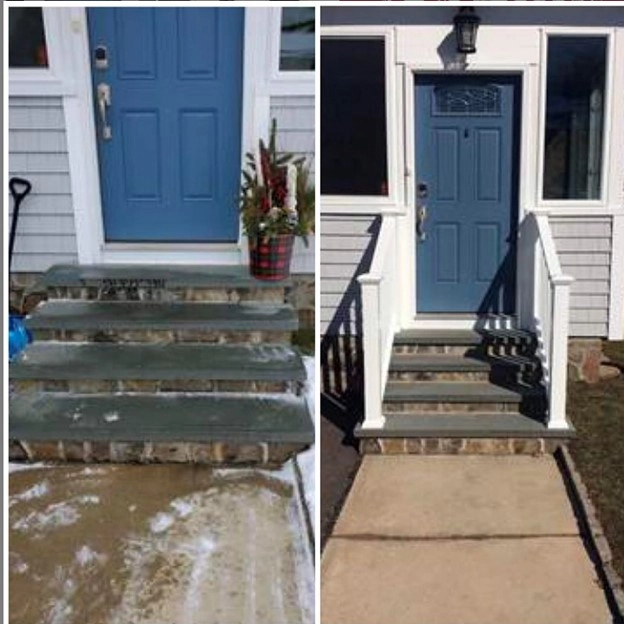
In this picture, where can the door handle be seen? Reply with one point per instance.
(104, 102)
(421, 215)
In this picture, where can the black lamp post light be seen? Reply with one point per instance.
(465, 23)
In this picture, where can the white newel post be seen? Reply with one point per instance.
(373, 417)
(559, 351)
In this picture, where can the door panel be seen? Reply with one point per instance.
(466, 141)
(171, 169)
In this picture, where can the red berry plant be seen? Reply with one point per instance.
(277, 195)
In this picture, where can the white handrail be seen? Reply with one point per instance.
(379, 319)
(550, 311)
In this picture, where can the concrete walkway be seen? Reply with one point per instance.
(161, 544)
(459, 540)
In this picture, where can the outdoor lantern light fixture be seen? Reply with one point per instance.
(466, 22)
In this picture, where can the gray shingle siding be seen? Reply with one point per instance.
(46, 232)
(584, 248)
(347, 246)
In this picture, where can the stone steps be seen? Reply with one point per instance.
(154, 363)
(463, 391)
(106, 367)
(214, 428)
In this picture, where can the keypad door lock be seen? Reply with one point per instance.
(100, 56)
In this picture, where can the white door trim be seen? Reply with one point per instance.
(529, 78)
(73, 35)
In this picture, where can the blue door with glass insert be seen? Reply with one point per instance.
(167, 85)
(466, 191)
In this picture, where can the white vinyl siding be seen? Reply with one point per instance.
(347, 245)
(46, 232)
(584, 248)
(295, 133)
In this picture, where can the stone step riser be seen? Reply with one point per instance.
(164, 336)
(99, 386)
(269, 454)
(509, 350)
(208, 295)
(496, 375)
(459, 446)
(439, 407)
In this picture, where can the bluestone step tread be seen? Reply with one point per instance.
(178, 276)
(437, 337)
(150, 315)
(436, 363)
(58, 360)
(453, 392)
(173, 417)
(459, 336)
(473, 425)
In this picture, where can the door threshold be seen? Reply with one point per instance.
(171, 253)
(462, 321)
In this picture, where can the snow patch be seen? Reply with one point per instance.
(36, 491)
(132, 508)
(183, 507)
(21, 567)
(54, 515)
(14, 467)
(161, 522)
(111, 417)
(76, 415)
(85, 555)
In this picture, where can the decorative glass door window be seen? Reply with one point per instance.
(575, 95)
(297, 39)
(27, 45)
(353, 117)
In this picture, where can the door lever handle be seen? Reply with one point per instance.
(421, 215)
(104, 102)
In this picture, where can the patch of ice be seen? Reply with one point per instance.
(89, 499)
(111, 416)
(161, 522)
(85, 555)
(91, 471)
(36, 491)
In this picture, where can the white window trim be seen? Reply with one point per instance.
(363, 204)
(608, 187)
(54, 80)
(282, 82)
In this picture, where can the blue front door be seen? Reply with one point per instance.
(170, 159)
(466, 192)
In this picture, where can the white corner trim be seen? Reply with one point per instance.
(616, 299)
(81, 137)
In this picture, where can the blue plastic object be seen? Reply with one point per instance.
(19, 336)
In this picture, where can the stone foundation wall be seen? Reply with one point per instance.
(271, 454)
(459, 446)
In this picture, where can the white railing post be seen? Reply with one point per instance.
(373, 417)
(560, 310)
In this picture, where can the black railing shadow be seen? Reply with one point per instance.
(342, 353)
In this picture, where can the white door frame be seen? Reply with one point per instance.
(529, 79)
(83, 154)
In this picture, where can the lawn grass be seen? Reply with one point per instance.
(597, 412)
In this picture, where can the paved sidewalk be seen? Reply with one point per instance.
(459, 540)
(160, 544)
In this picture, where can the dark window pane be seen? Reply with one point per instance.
(27, 46)
(353, 117)
(297, 41)
(575, 95)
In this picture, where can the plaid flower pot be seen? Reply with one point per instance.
(269, 258)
